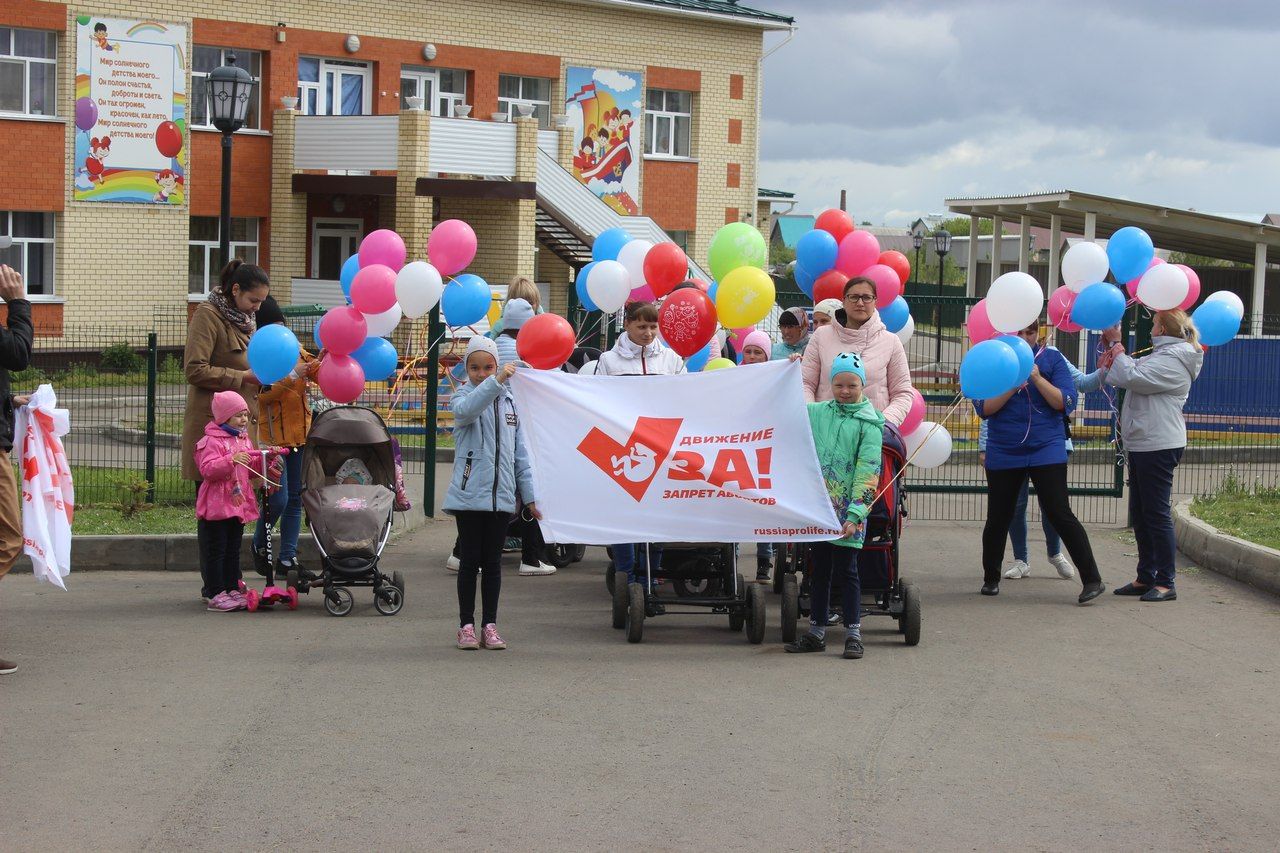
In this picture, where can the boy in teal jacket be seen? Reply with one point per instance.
(848, 434)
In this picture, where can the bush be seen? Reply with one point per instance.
(121, 358)
(132, 500)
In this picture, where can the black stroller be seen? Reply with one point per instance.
(884, 591)
(351, 522)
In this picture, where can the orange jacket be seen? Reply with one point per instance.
(284, 415)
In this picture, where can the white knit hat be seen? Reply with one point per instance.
(828, 307)
(479, 343)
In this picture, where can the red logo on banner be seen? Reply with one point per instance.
(633, 465)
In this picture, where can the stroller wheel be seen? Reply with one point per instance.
(910, 622)
(621, 600)
(790, 608)
(737, 610)
(635, 613)
(608, 581)
(755, 615)
(579, 551)
(292, 580)
(782, 567)
(397, 580)
(388, 600)
(338, 601)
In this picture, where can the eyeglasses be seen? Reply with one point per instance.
(859, 297)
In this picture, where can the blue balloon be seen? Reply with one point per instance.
(350, 267)
(273, 352)
(316, 336)
(1217, 323)
(816, 250)
(378, 358)
(699, 359)
(580, 284)
(1022, 349)
(988, 370)
(895, 315)
(1129, 252)
(805, 279)
(466, 300)
(711, 291)
(1099, 306)
(608, 244)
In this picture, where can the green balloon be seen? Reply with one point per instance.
(736, 245)
(83, 20)
(182, 126)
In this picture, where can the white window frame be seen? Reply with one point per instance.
(211, 252)
(222, 57)
(438, 103)
(508, 105)
(21, 243)
(335, 66)
(652, 118)
(325, 225)
(27, 62)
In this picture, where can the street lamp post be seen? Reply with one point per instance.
(230, 91)
(941, 245)
(917, 240)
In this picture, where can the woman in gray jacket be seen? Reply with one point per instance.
(1155, 433)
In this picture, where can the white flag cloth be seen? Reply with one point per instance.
(48, 496)
(725, 456)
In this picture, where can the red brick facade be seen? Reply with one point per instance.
(671, 193)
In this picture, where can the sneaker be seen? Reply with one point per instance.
(7, 667)
(852, 648)
(763, 568)
(225, 602)
(806, 643)
(452, 564)
(240, 597)
(1063, 565)
(467, 638)
(490, 639)
(512, 545)
(527, 570)
(1018, 569)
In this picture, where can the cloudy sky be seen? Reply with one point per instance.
(906, 103)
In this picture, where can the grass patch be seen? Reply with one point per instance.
(96, 486)
(1249, 512)
(81, 376)
(107, 521)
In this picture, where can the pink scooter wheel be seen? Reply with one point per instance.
(252, 597)
(293, 598)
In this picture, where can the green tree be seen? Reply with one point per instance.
(1202, 261)
(958, 226)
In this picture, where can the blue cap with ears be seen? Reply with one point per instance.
(849, 362)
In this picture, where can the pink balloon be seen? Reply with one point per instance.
(383, 247)
(343, 330)
(373, 290)
(1132, 286)
(888, 285)
(1060, 303)
(858, 250)
(643, 293)
(740, 336)
(341, 378)
(915, 415)
(980, 328)
(1193, 292)
(451, 246)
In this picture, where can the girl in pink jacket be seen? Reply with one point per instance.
(888, 384)
(225, 501)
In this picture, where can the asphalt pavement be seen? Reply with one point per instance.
(139, 721)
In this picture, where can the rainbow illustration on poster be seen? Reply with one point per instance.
(130, 111)
(603, 106)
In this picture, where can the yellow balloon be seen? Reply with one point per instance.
(744, 297)
(495, 309)
(718, 364)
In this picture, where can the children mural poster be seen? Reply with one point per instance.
(130, 111)
(603, 106)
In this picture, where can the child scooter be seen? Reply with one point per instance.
(271, 594)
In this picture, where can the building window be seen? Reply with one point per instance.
(202, 252)
(28, 72)
(31, 252)
(204, 60)
(668, 123)
(334, 87)
(440, 88)
(533, 91)
(681, 239)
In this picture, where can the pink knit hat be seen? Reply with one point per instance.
(227, 404)
(757, 338)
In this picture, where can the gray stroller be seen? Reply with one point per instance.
(348, 483)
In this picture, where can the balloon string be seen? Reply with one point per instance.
(589, 332)
(937, 426)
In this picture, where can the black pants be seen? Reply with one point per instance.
(219, 555)
(532, 547)
(825, 562)
(1050, 482)
(480, 538)
(1150, 487)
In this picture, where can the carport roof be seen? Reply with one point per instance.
(1170, 228)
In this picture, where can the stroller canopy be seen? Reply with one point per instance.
(343, 433)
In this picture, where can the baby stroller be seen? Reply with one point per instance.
(884, 591)
(348, 483)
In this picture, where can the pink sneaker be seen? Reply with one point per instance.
(240, 598)
(490, 639)
(467, 638)
(224, 602)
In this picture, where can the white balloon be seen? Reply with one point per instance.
(1228, 297)
(632, 257)
(588, 368)
(1083, 264)
(1014, 302)
(609, 285)
(904, 334)
(1163, 287)
(929, 445)
(418, 288)
(381, 325)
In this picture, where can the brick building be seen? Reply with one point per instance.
(396, 114)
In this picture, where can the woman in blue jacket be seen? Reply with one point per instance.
(1025, 438)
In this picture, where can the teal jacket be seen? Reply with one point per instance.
(849, 438)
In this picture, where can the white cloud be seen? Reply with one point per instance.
(615, 80)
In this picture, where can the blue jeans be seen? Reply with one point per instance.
(1018, 529)
(624, 559)
(286, 507)
(1150, 487)
(827, 561)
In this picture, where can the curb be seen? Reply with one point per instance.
(1256, 565)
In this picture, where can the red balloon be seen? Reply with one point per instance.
(699, 283)
(829, 285)
(835, 222)
(665, 266)
(897, 262)
(168, 139)
(687, 321)
(546, 341)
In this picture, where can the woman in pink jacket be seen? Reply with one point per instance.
(888, 383)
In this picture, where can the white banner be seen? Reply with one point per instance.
(725, 456)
